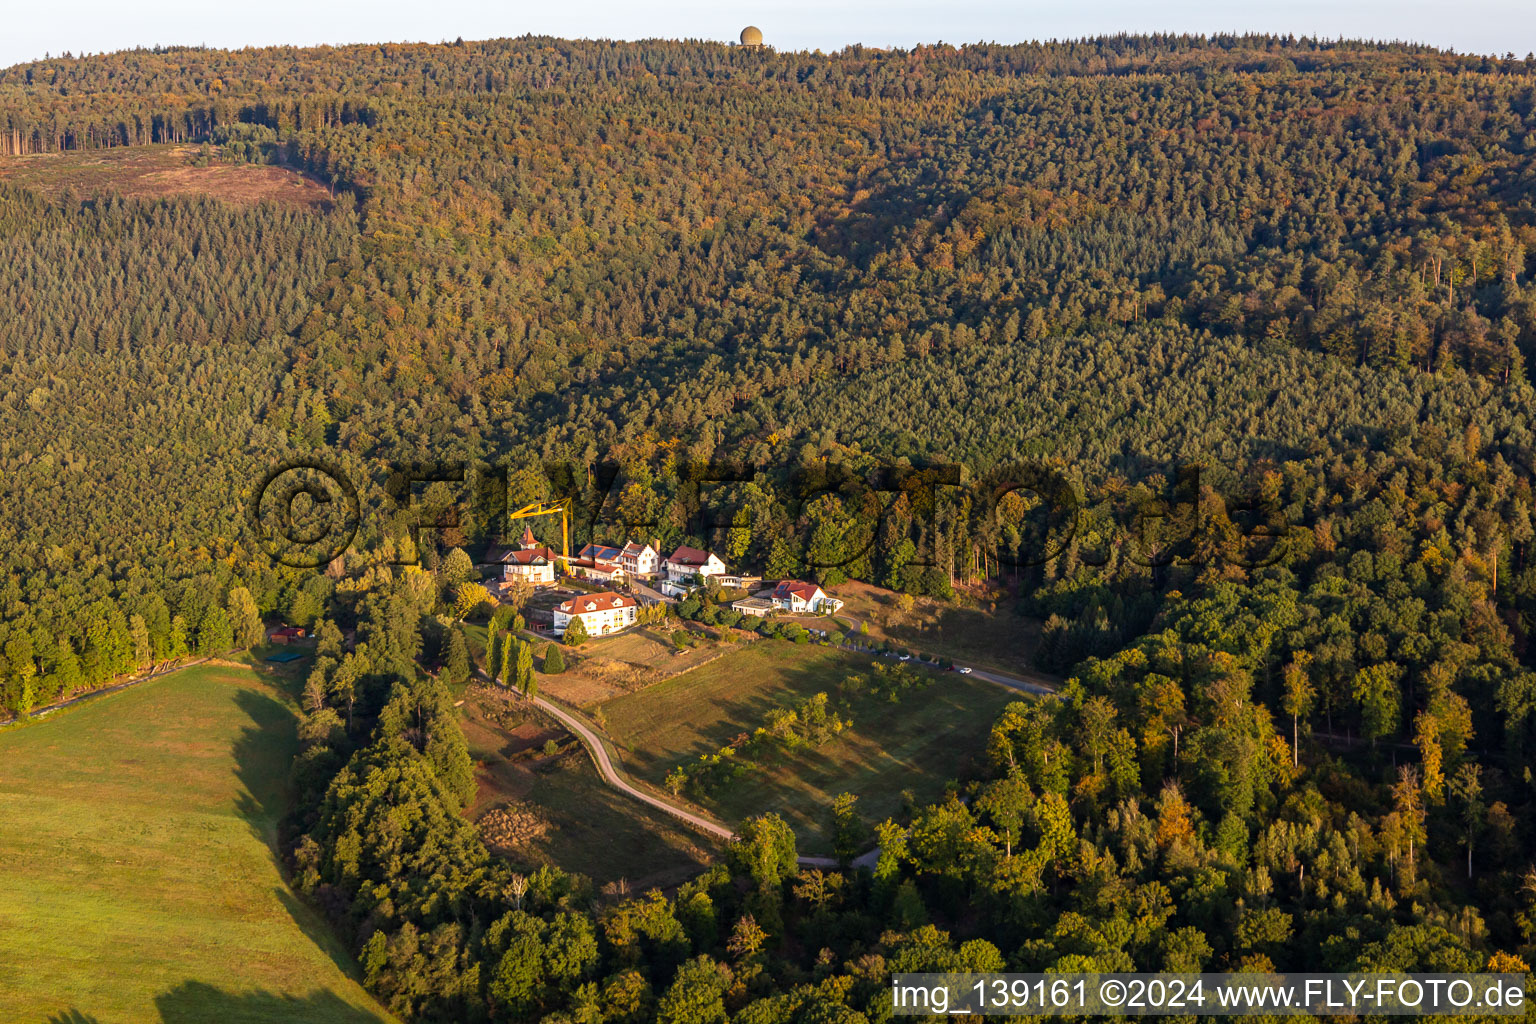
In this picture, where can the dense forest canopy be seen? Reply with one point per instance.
(1303, 268)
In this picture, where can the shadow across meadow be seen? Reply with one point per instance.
(194, 1002)
(264, 752)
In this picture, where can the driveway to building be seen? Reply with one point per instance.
(605, 768)
(610, 774)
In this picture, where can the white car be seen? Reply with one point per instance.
(964, 670)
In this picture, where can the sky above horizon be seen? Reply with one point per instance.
(93, 26)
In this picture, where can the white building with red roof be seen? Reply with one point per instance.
(529, 561)
(796, 596)
(599, 613)
(640, 559)
(686, 566)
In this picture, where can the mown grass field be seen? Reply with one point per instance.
(141, 880)
(914, 746)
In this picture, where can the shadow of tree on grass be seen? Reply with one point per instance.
(264, 752)
(193, 1002)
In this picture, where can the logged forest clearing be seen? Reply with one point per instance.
(163, 172)
(152, 849)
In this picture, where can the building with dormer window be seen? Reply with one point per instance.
(686, 567)
(600, 614)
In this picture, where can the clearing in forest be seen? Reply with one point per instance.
(540, 804)
(155, 172)
(983, 631)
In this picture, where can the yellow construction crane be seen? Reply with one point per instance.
(546, 508)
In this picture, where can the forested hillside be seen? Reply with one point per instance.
(1303, 270)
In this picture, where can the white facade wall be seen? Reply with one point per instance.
(642, 564)
(597, 623)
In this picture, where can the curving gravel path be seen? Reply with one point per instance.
(611, 776)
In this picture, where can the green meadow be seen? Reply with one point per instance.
(894, 750)
(137, 838)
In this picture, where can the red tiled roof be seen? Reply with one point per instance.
(635, 548)
(804, 591)
(528, 540)
(587, 563)
(685, 555)
(595, 603)
(529, 556)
